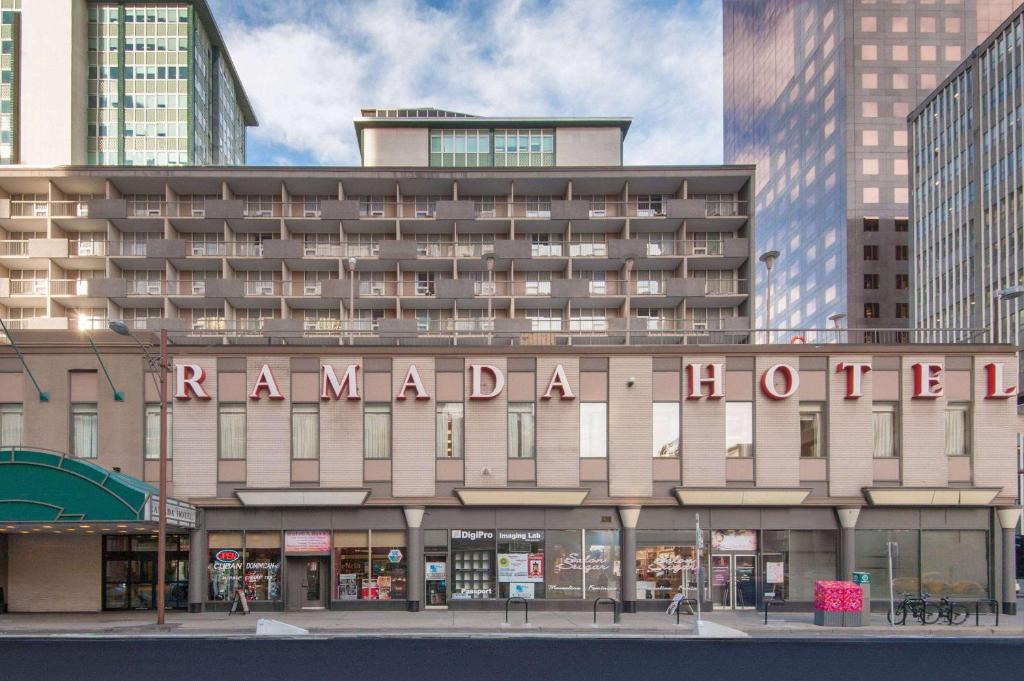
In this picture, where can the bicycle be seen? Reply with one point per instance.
(911, 604)
(953, 613)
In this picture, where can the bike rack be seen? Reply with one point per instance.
(526, 607)
(992, 603)
(615, 608)
(691, 602)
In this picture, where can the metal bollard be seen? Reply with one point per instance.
(526, 607)
(992, 603)
(615, 608)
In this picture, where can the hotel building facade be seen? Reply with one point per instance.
(491, 362)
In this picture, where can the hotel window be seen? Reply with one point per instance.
(902, 310)
(871, 311)
(870, 282)
(902, 251)
(538, 284)
(871, 252)
(306, 431)
(958, 429)
(812, 430)
(460, 148)
(885, 420)
(594, 430)
(524, 147)
(231, 422)
(870, 224)
(902, 281)
(83, 430)
(10, 424)
(521, 430)
(425, 283)
(449, 430)
(666, 429)
(739, 429)
(152, 445)
(902, 225)
(377, 430)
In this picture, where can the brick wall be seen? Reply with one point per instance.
(850, 433)
(341, 433)
(486, 431)
(994, 444)
(630, 426)
(924, 434)
(268, 427)
(558, 426)
(412, 433)
(776, 432)
(195, 434)
(703, 435)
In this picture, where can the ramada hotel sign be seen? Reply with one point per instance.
(706, 381)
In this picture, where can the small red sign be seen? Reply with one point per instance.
(227, 556)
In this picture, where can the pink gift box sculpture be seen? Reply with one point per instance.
(831, 596)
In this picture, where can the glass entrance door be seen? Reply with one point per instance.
(435, 570)
(721, 581)
(744, 584)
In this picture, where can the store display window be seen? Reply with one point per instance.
(262, 571)
(666, 562)
(520, 561)
(225, 564)
(370, 565)
(388, 570)
(473, 568)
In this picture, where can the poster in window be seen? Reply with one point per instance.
(774, 573)
(348, 587)
(535, 567)
(521, 590)
(734, 540)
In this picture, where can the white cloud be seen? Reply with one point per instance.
(310, 66)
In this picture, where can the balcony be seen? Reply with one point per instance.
(208, 249)
(78, 247)
(729, 287)
(314, 250)
(378, 289)
(126, 248)
(263, 288)
(54, 209)
(51, 287)
(242, 249)
(729, 209)
(146, 208)
(14, 248)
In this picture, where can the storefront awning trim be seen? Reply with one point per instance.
(740, 496)
(522, 496)
(930, 496)
(303, 497)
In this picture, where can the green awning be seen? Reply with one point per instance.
(38, 486)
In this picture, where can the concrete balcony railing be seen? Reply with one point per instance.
(263, 288)
(726, 287)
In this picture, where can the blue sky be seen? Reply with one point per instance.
(310, 65)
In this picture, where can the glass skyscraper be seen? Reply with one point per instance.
(816, 94)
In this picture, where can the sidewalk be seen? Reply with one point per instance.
(441, 623)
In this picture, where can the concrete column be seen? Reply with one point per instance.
(197, 552)
(414, 558)
(629, 515)
(1008, 519)
(848, 549)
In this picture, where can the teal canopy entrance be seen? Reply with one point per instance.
(38, 486)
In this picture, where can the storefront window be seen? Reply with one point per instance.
(225, 564)
(129, 572)
(955, 563)
(262, 577)
(521, 563)
(351, 560)
(665, 562)
(388, 564)
(793, 560)
(583, 564)
(472, 564)
(370, 566)
(872, 558)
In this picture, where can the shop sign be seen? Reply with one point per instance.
(473, 539)
(179, 514)
(774, 572)
(435, 569)
(778, 382)
(394, 556)
(227, 556)
(521, 535)
(521, 590)
(307, 541)
(670, 563)
(734, 540)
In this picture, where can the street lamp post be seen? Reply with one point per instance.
(768, 258)
(351, 297)
(1009, 293)
(163, 366)
(837, 318)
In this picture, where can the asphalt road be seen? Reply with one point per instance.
(517, 659)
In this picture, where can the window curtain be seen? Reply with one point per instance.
(377, 424)
(83, 432)
(956, 431)
(885, 435)
(10, 427)
(306, 431)
(520, 431)
(449, 431)
(232, 432)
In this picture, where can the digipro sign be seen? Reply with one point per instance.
(706, 381)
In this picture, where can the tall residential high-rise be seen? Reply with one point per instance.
(967, 201)
(98, 82)
(817, 94)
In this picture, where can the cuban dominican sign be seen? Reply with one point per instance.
(705, 381)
